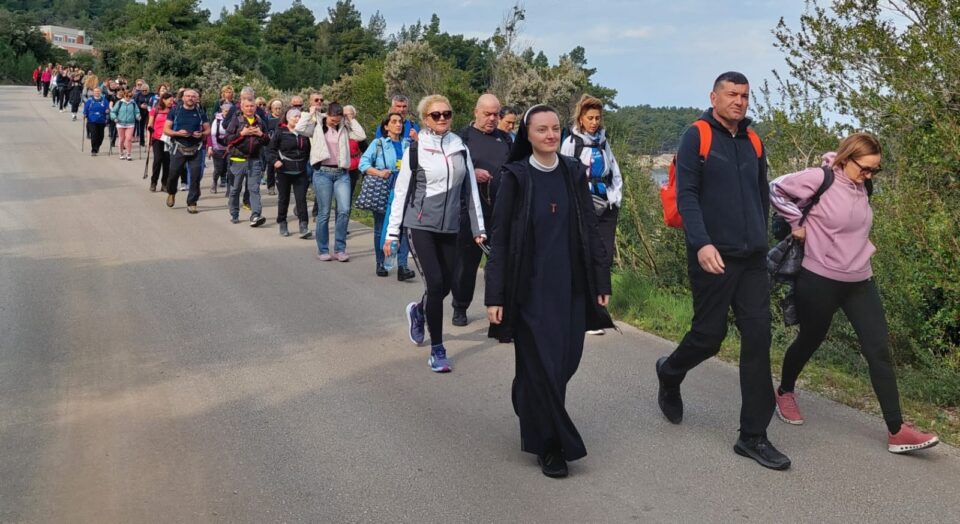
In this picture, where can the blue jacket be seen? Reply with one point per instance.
(380, 154)
(95, 111)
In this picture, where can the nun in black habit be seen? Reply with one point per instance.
(546, 283)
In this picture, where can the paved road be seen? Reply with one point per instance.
(157, 366)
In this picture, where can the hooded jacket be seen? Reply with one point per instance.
(508, 268)
(725, 200)
(307, 126)
(444, 169)
(837, 244)
(611, 167)
(95, 111)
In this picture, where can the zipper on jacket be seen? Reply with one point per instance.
(743, 199)
(446, 194)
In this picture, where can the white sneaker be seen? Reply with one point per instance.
(61, 110)
(596, 332)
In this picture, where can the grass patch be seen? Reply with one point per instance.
(837, 371)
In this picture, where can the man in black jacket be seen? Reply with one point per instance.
(724, 202)
(489, 148)
(246, 136)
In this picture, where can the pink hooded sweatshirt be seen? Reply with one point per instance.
(837, 243)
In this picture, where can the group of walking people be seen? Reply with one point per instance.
(541, 200)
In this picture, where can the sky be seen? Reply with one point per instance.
(660, 53)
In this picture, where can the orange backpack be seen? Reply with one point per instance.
(668, 192)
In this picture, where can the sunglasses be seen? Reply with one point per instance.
(447, 115)
(867, 170)
(297, 105)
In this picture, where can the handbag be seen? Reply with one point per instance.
(374, 191)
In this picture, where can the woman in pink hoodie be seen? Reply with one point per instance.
(836, 274)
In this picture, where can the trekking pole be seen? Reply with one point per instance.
(83, 133)
(145, 164)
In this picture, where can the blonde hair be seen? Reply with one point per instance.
(586, 103)
(857, 145)
(428, 101)
(226, 89)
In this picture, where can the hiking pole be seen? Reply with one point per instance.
(83, 133)
(145, 164)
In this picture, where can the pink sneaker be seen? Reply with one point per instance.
(909, 438)
(343, 256)
(325, 257)
(787, 408)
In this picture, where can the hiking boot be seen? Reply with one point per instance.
(415, 322)
(760, 449)
(460, 317)
(439, 363)
(171, 200)
(553, 465)
(257, 221)
(284, 232)
(668, 397)
(404, 274)
(909, 438)
(305, 232)
(381, 271)
(595, 332)
(787, 408)
(235, 220)
(324, 257)
(192, 209)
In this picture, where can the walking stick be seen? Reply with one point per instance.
(145, 164)
(83, 133)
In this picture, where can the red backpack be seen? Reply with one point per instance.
(668, 192)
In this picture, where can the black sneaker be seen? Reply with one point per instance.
(761, 450)
(460, 317)
(235, 220)
(671, 404)
(553, 465)
(405, 274)
(257, 221)
(284, 232)
(305, 232)
(381, 271)
(153, 188)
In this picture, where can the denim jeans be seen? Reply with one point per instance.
(249, 171)
(330, 182)
(402, 251)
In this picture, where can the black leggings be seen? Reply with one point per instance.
(436, 256)
(297, 182)
(161, 163)
(818, 298)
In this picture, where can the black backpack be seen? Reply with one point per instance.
(578, 145)
(781, 228)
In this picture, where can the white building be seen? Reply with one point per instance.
(73, 40)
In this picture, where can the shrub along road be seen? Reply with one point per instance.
(157, 366)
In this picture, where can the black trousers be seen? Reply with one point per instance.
(96, 136)
(607, 223)
(178, 168)
(46, 89)
(468, 262)
(744, 287)
(142, 126)
(62, 98)
(299, 184)
(818, 299)
(113, 133)
(39, 85)
(436, 255)
(271, 174)
(220, 171)
(161, 164)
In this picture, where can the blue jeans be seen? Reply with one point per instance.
(249, 171)
(402, 251)
(330, 182)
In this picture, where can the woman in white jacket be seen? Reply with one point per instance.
(587, 143)
(330, 137)
(426, 202)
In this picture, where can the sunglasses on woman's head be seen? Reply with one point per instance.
(447, 115)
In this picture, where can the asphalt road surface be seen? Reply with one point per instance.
(157, 366)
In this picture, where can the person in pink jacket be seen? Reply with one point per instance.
(836, 274)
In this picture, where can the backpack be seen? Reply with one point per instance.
(578, 145)
(668, 192)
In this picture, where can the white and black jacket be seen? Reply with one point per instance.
(611, 168)
(443, 167)
(315, 125)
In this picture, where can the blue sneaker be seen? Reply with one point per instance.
(415, 322)
(439, 363)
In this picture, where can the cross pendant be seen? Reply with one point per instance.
(553, 208)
